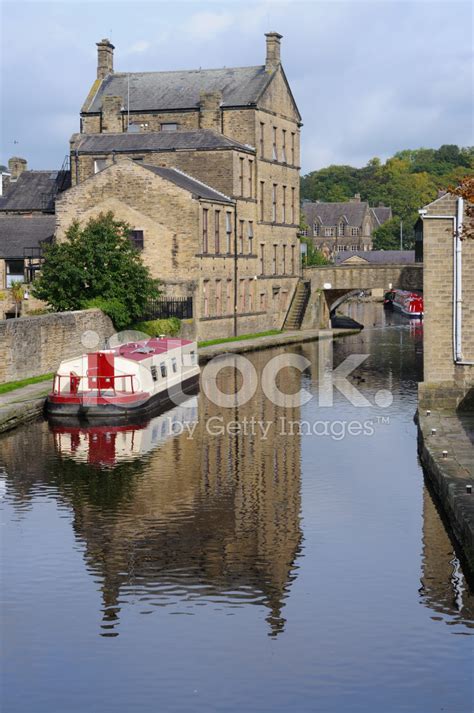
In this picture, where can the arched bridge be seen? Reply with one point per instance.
(331, 285)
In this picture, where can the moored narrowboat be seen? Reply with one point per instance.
(408, 303)
(130, 379)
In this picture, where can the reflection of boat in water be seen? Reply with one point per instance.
(112, 444)
(131, 379)
(410, 304)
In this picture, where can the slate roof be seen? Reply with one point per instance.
(188, 183)
(23, 231)
(34, 190)
(382, 214)
(378, 257)
(164, 91)
(205, 139)
(329, 213)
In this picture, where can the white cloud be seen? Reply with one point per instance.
(137, 47)
(207, 25)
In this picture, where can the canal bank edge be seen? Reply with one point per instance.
(450, 472)
(27, 403)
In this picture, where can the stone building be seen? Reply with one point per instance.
(337, 227)
(233, 137)
(448, 289)
(27, 223)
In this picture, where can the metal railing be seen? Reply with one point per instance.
(164, 307)
(94, 383)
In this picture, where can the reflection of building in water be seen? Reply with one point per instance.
(197, 519)
(443, 587)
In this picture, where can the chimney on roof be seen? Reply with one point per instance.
(356, 198)
(105, 58)
(210, 110)
(16, 166)
(272, 60)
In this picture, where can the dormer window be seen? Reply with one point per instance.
(169, 126)
(316, 229)
(340, 229)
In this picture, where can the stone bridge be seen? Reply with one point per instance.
(331, 285)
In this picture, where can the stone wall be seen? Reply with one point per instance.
(32, 346)
(445, 382)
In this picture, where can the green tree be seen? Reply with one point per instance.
(97, 266)
(18, 291)
(313, 255)
(387, 237)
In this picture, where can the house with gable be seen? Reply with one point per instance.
(204, 166)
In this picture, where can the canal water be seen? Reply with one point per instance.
(199, 563)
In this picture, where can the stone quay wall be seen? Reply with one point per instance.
(32, 346)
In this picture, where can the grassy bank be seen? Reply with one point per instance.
(12, 385)
(211, 342)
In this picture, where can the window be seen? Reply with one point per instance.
(263, 301)
(251, 295)
(293, 214)
(136, 238)
(340, 229)
(354, 231)
(242, 295)
(169, 126)
(283, 205)
(316, 229)
(241, 236)
(293, 162)
(218, 297)
(163, 369)
(250, 236)
(262, 200)
(262, 259)
(283, 147)
(284, 259)
(205, 294)
(229, 296)
(193, 357)
(241, 176)
(354, 248)
(15, 271)
(292, 259)
(174, 365)
(250, 179)
(262, 139)
(217, 221)
(329, 232)
(340, 248)
(154, 373)
(100, 164)
(228, 232)
(275, 150)
(274, 260)
(205, 218)
(274, 203)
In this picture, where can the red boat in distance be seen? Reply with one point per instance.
(407, 303)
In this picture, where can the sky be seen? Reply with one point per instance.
(369, 78)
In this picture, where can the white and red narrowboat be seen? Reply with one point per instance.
(130, 379)
(408, 303)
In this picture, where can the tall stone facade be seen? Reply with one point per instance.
(448, 377)
(235, 130)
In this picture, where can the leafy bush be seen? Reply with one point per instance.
(170, 327)
(97, 266)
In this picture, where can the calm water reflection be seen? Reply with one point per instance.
(144, 569)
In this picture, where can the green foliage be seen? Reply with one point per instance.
(97, 266)
(387, 237)
(313, 255)
(170, 327)
(224, 340)
(406, 182)
(8, 386)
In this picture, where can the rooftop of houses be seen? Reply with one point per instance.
(353, 212)
(203, 140)
(21, 232)
(376, 257)
(382, 214)
(240, 86)
(34, 190)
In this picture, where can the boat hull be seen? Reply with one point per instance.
(91, 408)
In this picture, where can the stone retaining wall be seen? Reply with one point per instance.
(32, 346)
